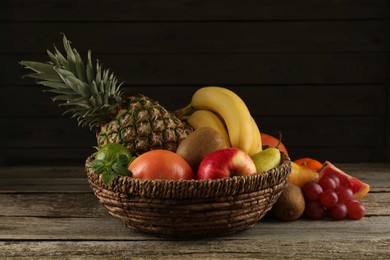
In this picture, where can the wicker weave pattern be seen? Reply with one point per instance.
(189, 209)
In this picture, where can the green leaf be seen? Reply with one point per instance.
(111, 167)
(39, 67)
(61, 59)
(89, 69)
(81, 73)
(55, 85)
(108, 177)
(120, 169)
(98, 166)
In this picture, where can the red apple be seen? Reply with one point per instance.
(223, 163)
(271, 141)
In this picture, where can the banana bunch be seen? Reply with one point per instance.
(226, 112)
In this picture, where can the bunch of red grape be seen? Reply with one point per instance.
(327, 195)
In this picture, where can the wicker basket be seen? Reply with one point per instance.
(191, 208)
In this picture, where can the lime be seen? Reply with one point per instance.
(111, 161)
(109, 151)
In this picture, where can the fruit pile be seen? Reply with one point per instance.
(328, 195)
(322, 189)
(213, 137)
(225, 142)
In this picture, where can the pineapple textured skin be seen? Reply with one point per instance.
(142, 124)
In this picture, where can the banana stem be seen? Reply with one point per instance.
(187, 110)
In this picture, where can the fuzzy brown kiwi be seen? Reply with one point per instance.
(198, 144)
(290, 205)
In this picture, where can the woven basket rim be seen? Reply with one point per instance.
(191, 189)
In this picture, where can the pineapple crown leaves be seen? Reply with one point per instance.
(92, 95)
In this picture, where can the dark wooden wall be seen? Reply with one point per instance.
(316, 70)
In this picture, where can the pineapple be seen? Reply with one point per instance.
(95, 98)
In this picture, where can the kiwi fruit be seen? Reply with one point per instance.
(290, 205)
(198, 144)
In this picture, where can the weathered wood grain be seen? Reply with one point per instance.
(50, 225)
(207, 249)
(38, 156)
(195, 37)
(37, 185)
(228, 68)
(53, 173)
(319, 67)
(138, 10)
(108, 228)
(311, 60)
(66, 205)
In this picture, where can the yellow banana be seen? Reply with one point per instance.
(257, 144)
(230, 107)
(206, 118)
(244, 121)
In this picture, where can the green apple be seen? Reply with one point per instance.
(266, 159)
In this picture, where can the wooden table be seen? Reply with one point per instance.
(51, 212)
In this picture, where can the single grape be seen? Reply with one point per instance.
(336, 179)
(356, 210)
(329, 198)
(314, 210)
(339, 211)
(327, 183)
(345, 195)
(311, 191)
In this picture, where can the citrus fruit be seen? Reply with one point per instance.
(110, 150)
(359, 188)
(160, 164)
(300, 175)
(309, 163)
(111, 161)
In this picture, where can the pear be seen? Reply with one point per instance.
(267, 159)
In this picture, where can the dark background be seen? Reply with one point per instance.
(316, 70)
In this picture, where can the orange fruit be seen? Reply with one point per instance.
(160, 164)
(300, 175)
(309, 163)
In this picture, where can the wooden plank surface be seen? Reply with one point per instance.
(110, 229)
(285, 56)
(228, 68)
(195, 37)
(211, 249)
(139, 10)
(48, 224)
